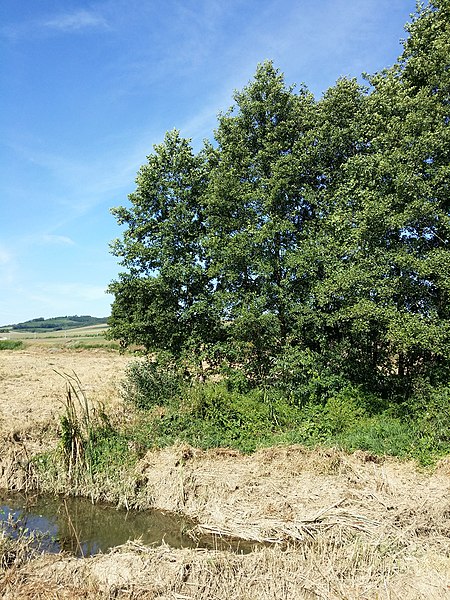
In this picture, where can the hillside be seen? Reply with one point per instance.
(58, 323)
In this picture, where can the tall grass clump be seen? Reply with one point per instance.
(76, 427)
(94, 345)
(89, 445)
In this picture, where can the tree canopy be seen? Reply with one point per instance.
(308, 231)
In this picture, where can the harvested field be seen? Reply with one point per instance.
(339, 525)
(32, 391)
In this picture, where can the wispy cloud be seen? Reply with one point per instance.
(75, 292)
(81, 19)
(68, 22)
(56, 239)
(5, 257)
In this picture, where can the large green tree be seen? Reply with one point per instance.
(257, 208)
(386, 291)
(305, 229)
(162, 300)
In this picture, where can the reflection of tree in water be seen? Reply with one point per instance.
(95, 527)
(77, 526)
(18, 523)
(80, 527)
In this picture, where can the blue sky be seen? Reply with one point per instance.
(87, 88)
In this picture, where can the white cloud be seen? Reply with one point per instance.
(76, 21)
(66, 23)
(57, 239)
(29, 242)
(73, 291)
(8, 267)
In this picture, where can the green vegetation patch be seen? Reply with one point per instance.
(163, 406)
(11, 344)
(171, 408)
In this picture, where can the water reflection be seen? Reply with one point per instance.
(76, 525)
(80, 527)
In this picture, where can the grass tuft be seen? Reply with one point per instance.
(11, 344)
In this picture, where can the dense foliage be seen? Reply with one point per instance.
(304, 254)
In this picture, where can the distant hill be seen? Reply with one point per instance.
(58, 323)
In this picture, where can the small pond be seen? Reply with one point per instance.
(76, 525)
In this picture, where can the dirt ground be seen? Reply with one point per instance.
(339, 526)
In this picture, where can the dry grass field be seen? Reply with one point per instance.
(93, 334)
(32, 388)
(336, 526)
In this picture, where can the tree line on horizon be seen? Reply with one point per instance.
(58, 323)
(310, 239)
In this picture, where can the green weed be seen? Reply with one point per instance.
(11, 344)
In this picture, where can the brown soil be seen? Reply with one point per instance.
(343, 526)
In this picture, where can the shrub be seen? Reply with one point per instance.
(432, 423)
(381, 435)
(341, 411)
(11, 344)
(434, 416)
(149, 383)
(303, 377)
